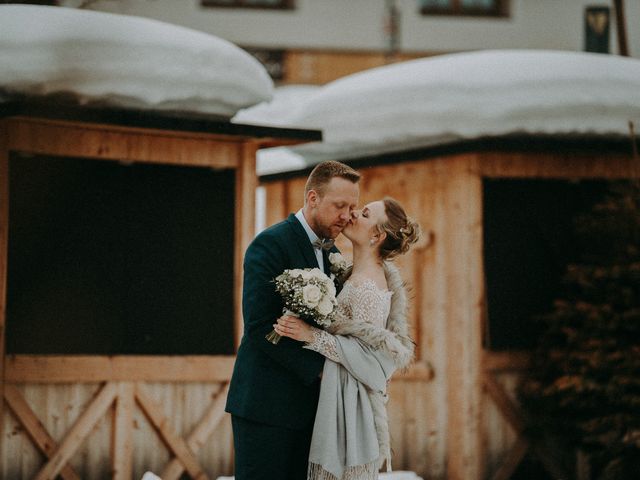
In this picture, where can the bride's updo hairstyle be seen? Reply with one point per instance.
(402, 231)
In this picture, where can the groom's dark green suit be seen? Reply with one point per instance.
(274, 389)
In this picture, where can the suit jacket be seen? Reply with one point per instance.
(274, 384)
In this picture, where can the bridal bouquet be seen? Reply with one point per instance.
(307, 293)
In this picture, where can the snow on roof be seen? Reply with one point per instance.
(454, 97)
(124, 61)
(286, 99)
(276, 112)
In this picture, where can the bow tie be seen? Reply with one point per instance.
(324, 244)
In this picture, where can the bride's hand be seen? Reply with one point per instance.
(294, 328)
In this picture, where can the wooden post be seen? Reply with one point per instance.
(4, 241)
(464, 297)
(621, 27)
(246, 183)
(122, 439)
(80, 430)
(34, 429)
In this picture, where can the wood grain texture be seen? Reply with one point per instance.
(108, 142)
(89, 368)
(81, 428)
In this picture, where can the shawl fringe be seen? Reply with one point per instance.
(360, 472)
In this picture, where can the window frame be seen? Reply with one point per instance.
(281, 5)
(456, 8)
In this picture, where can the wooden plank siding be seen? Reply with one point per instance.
(58, 407)
(443, 421)
(90, 416)
(125, 144)
(323, 66)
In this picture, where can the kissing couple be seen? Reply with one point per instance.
(314, 405)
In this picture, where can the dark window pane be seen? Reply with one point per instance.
(528, 243)
(113, 259)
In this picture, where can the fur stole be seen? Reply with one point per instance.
(394, 339)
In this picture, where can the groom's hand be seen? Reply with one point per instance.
(294, 328)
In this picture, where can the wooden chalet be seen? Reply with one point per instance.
(494, 213)
(121, 239)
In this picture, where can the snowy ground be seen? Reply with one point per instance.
(383, 476)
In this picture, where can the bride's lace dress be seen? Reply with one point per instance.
(361, 301)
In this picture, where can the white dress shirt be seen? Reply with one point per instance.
(312, 238)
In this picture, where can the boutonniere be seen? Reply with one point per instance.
(339, 268)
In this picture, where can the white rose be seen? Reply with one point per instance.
(337, 260)
(306, 275)
(311, 295)
(335, 257)
(325, 307)
(296, 272)
(317, 273)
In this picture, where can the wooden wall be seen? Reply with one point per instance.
(454, 415)
(118, 416)
(58, 407)
(317, 67)
(443, 272)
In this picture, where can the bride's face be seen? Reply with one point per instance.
(363, 224)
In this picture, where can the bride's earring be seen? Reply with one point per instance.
(372, 241)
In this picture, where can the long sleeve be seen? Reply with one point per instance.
(325, 344)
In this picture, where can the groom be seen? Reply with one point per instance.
(274, 388)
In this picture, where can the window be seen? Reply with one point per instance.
(528, 243)
(107, 259)
(33, 2)
(274, 4)
(489, 8)
(272, 60)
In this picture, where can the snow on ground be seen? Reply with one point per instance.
(383, 476)
(125, 61)
(400, 475)
(448, 98)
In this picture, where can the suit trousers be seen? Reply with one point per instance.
(267, 452)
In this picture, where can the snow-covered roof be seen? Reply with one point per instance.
(448, 98)
(276, 112)
(124, 61)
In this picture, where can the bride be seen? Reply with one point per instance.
(364, 346)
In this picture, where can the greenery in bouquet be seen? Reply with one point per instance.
(306, 293)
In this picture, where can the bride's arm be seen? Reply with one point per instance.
(314, 338)
(366, 303)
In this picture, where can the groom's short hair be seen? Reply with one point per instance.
(322, 174)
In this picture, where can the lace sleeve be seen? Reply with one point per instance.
(325, 344)
(369, 303)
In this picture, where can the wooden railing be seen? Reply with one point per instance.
(123, 380)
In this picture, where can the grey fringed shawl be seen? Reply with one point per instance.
(351, 428)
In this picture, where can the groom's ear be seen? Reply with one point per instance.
(312, 198)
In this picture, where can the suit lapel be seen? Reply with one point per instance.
(302, 240)
(325, 259)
